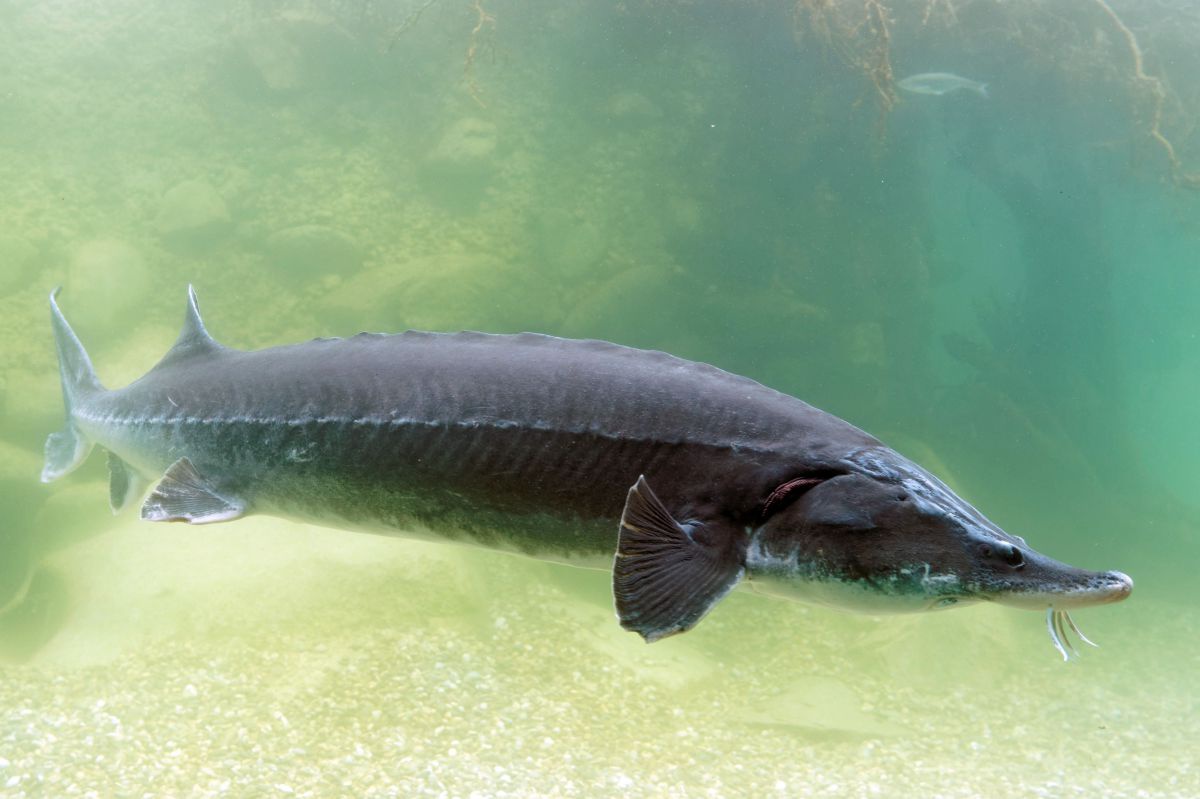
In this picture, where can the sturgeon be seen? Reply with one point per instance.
(550, 447)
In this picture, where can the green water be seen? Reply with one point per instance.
(1004, 289)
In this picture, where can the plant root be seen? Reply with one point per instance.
(483, 20)
(1158, 96)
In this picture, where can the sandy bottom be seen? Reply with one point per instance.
(267, 659)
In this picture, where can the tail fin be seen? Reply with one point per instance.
(68, 448)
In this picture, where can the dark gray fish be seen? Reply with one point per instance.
(535, 444)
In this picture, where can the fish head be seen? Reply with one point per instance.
(886, 536)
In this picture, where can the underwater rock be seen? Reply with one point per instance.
(31, 404)
(630, 110)
(19, 496)
(17, 261)
(634, 294)
(454, 291)
(193, 215)
(16, 567)
(313, 250)
(466, 148)
(567, 244)
(686, 215)
(35, 616)
(20, 466)
(273, 58)
(110, 277)
(296, 52)
(457, 169)
(866, 345)
(67, 515)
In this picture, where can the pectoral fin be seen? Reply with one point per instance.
(184, 495)
(667, 575)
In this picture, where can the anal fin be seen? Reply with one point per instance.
(183, 495)
(667, 575)
(124, 484)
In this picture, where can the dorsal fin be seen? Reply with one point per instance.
(194, 339)
(194, 335)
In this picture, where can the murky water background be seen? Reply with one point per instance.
(1002, 288)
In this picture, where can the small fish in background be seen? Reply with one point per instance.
(940, 83)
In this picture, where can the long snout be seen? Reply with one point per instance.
(1044, 582)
